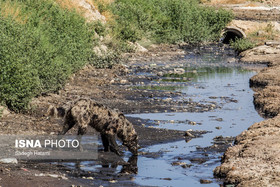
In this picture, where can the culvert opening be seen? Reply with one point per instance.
(232, 33)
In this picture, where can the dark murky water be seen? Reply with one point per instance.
(228, 88)
(208, 79)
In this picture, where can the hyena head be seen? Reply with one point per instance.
(132, 144)
(129, 137)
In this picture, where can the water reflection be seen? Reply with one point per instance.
(207, 78)
(203, 73)
(227, 86)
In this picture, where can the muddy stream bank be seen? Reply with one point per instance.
(187, 111)
(212, 103)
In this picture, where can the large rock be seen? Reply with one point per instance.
(4, 111)
(90, 12)
(137, 47)
(263, 53)
(84, 7)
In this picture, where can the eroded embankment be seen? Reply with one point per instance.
(254, 160)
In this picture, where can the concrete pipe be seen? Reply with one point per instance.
(232, 33)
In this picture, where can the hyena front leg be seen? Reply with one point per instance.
(105, 142)
(109, 143)
(81, 131)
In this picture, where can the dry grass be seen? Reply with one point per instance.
(267, 32)
(259, 32)
(248, 3)
(12, 10)
(70, 4)
(218, 2)
(107, 14)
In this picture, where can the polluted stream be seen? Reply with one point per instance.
(206, 76)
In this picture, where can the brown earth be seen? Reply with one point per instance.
(254, 160)
(110, 87)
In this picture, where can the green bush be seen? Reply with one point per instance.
(242, 44)
(39, 55)
(168, 21)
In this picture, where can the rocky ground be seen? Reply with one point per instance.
(254, 160)
(116, 88)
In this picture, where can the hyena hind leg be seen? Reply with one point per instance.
(109, 143)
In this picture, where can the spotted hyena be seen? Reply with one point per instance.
(109, 123)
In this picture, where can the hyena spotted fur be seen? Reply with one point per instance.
(86, 112)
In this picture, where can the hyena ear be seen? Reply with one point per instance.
(52, 111)
(55, 112)
(121, 115)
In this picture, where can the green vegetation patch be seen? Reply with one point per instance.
(242, 44)
(39, 52)
(168, 21)
(192, 74)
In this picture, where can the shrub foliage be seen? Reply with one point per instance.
(242, 44)
(42, 44)
(39, 53)
(168, 21)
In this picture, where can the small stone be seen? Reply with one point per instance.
(160, 74)
(123, 81)
(188, 134)
(167, 99)
(192, 122)
(4, 111)
(178, 163)
(218, 128)
(179, 71)
(204, 181)
(113, 181)
(219, 119)
(8, 161)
